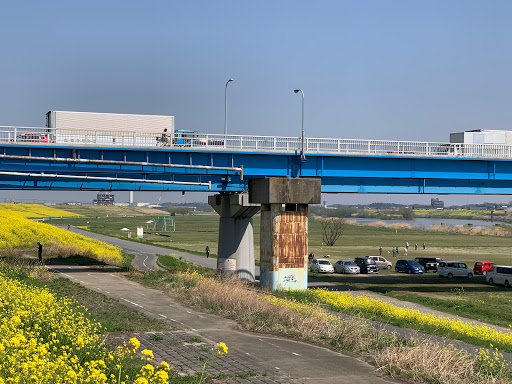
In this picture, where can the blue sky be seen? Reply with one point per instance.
(395, 70)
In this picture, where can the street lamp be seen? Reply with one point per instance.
(302, 156)
(226, 107)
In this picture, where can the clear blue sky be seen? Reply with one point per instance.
(397, 70)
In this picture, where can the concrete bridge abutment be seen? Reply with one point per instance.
(284, 229)
(236, 235)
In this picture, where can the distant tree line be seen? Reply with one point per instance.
(345, 212)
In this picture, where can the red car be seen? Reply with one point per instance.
(34, 138)
(481, 267)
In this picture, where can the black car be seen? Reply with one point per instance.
(367, 265)
(429, 263)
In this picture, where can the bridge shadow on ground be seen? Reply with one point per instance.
(395, 282)
(76, 261)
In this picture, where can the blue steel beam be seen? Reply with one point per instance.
(339, 173)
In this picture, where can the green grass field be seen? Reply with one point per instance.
(194, 232)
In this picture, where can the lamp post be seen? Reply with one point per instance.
(302, 156)
(226, 107)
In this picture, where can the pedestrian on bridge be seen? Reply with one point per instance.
(207, 251)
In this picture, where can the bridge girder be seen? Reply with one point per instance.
(340, 173)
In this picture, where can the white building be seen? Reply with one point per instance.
(482, 136)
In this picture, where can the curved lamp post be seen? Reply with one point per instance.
(226, 107)
(302, 156)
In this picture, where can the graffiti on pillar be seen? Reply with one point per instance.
(289, 279)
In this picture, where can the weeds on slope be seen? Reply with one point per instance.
(261, 311)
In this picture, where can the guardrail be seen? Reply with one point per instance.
(46, 136)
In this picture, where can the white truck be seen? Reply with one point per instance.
(92, 128)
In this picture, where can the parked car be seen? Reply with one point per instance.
(481, 267)
(429, 263)
(346, 266)
(409, 266)
(321, 265)
(454, 269)
(500, 274)
(381, 262)
(366, 265)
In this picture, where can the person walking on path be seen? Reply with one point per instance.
(380, 251)
(207, 251)
(394, 252)
(423, 246)
(405, 252)
(416, 246)
(311, 256)
(40, 252)
(407, 245)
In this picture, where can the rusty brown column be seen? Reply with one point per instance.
(284, 229)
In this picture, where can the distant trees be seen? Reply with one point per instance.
(407, 213)
(332, 230)
(332, 212)
(178, 210)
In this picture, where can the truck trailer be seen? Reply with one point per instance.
(106, 128)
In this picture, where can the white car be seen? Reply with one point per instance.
(454, 269)
(381, 262)
(321, 266)
(500, 274)
(346, 266)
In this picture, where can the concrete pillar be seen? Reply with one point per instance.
(236, 236)
(131, 198)
(284, 229)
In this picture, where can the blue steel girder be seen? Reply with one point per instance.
(340, 173)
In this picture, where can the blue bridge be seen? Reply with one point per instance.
(218, 163)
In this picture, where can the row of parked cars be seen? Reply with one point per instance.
(495, 274)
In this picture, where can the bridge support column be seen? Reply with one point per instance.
(284, 229)
(236, 236)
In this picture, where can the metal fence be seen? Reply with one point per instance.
(46, 136)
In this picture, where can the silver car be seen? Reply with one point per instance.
(346, 266)
(454, 269)
(321, 265)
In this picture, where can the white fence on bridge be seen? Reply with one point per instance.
(47, 136)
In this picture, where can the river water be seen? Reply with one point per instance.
(426, 223)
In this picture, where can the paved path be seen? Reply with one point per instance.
(146, 255)
(272, 359)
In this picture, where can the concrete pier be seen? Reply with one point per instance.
(284, 229)
(236, 235)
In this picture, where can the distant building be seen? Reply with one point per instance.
(436, 203)
(482, 136)
(105, 198)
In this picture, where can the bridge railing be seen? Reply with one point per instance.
(45, 136)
